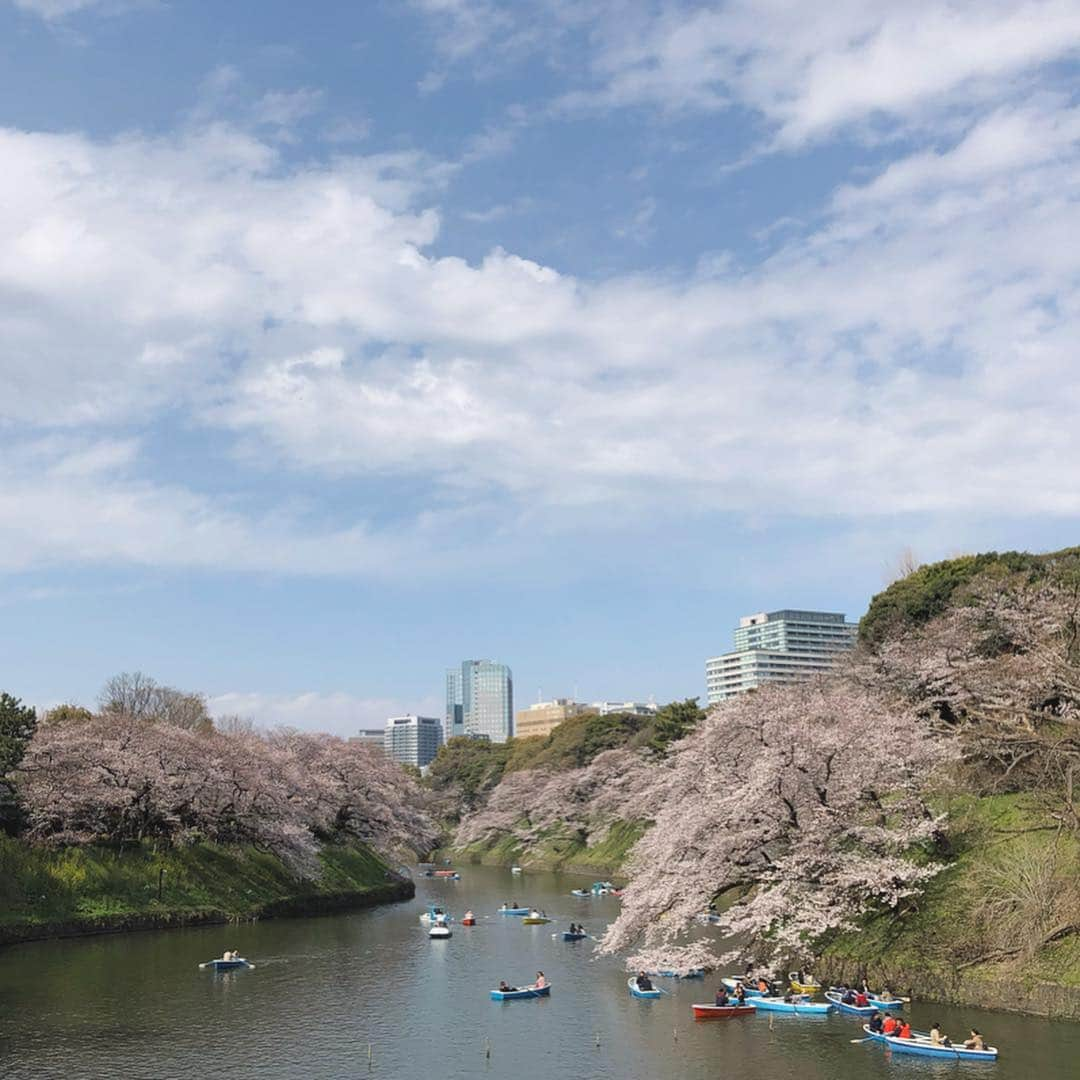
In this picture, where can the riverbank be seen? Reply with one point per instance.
(988, 930)
(76, 891)
(557, 851)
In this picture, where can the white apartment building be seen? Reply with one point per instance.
(778, 647)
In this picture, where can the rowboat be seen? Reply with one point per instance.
(535, 920)
(584, 894)
(853, 1010)
(601, 888)
(227, 965)
(720, 1012)
(803, 987)
(890, 1003)
(693, 973)
(439, 931)
(567, 936)
(513, 911)
(800, 1008)
(515, 869)
(523, 992)
(468, 919)
(638, 993)
(453, 875)
(733, 983)
(435, 914)
(707, 918)
(920, 1043)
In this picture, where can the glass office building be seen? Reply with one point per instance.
(778, 647)
(480, 700)
(412, 740)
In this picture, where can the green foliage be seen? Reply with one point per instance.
(575, 742)
(675, 721)
(928, 591)
(17, 724)
(472, 767)
(41, 885)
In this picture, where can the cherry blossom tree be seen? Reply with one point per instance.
(577, 804)
(115, 777)
(805, 801)
(1002, 670)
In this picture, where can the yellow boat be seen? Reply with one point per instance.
(803, 987)
(535, 920)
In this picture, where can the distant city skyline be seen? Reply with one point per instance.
(338, 348)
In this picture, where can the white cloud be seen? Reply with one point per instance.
(807, 70)
(338, 713)
(922, 331)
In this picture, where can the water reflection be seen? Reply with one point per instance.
(325, 989)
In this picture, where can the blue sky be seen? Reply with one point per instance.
(340, 344)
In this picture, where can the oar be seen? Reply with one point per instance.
(865, 1039)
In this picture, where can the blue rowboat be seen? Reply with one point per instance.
(920, 1044)
(693, 973)
(513, 911)
(567, 936)
(877, 1002)
(633, 986)
(799, 1008)
(521, 993)
(892, 1003)
(748, 990)
(852, 1010)
(226, 965)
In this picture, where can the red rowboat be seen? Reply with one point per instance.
(444, 873)
(720, 1012)
(468, 922)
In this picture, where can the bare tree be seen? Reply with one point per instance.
(139, 697)
(904, 564)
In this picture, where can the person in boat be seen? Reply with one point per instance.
(886, 995)
(722, 996)
(977, 1041)
(861, 1000)
(890, 1025)
(748, 973)
(226, 956)
(799, 977)
(541, 981)
(875, 1023)
(904, 1031)
(848, 996)
(763, 985)
(936, 1036)
(740, 994)
(469, 915)
(504, 988)
(643, 981)
(864, 985)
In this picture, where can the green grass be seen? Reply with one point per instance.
(940, 942)
(89, 884)
(556, 850)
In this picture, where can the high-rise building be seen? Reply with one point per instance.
(455, 719)
(543, 717)
(778, 647)
(412, 740)
(481, 694)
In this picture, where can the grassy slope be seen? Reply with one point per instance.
(97, 885)
(555, 851)
(936, 949)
